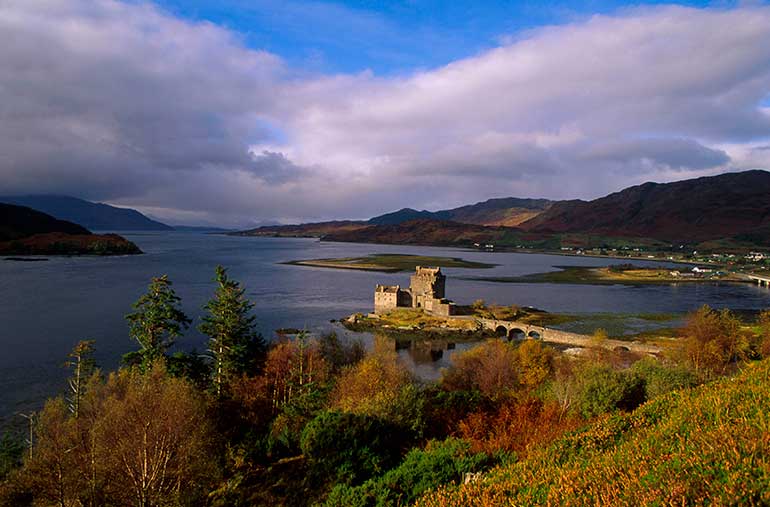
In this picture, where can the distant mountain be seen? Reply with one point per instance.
(27, 231)
(18, 222)
(94, 216)
(507, 211)
(731, 205)
(405, 215)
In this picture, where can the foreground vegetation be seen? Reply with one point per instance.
(318, 421)
(697, 446)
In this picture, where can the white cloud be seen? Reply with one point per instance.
(123, 102)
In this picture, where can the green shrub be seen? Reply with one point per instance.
(603, 390)
(660, 379)
(351, 447)
(421, 470)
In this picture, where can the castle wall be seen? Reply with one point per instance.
(440, 307)
(385, 301)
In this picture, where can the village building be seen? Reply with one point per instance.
(426, 290)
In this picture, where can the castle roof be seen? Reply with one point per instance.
(387, 288)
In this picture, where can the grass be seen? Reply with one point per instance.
(600, 276)
(416, 318)
(701, 446)
(391, 263)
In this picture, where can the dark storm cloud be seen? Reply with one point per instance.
(122, 102)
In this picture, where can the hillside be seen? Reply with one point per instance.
(508, 211)
(94, 216)
(421, 232)
(732, 207)
(27, 231)
(724, 206)
(707, 445)
(312, 230)
(18, 222)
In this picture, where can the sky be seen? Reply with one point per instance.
(241, 112)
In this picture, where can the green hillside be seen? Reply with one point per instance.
(709, 445)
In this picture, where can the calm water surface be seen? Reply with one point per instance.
(46, 307)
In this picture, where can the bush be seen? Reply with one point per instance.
(421, 470)
(515, 426)
(603, 390)
(351, 446)
(660, 379)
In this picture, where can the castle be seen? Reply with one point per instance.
(426, 291)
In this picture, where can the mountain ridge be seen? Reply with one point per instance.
(92, 215)
(25, 231)
(733, 206)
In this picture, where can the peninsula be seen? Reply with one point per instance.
(24, 231)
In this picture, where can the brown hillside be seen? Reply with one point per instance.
(723, 206)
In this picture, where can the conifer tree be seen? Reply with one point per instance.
(83, 365)
(234, 344)
(156, 323)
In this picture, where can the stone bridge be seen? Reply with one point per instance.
(512, 330)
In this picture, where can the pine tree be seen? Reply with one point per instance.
(234, 344)
(156, 323)
(83, 365)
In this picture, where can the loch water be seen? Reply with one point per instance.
(46, 307)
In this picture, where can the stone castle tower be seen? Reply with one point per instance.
(426, 290)
(425, 284)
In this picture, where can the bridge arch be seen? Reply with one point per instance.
(516, 334)
(535, 335)
(501, 331)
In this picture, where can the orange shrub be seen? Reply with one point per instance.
(515, 426)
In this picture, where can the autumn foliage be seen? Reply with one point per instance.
(139, 439)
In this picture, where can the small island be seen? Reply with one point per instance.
(390, 263)
(24, 231)
(422, 308)
(621, 274)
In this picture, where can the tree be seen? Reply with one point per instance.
(156, 323)
(157, 439)
(235, 345)
(492, 368)
(142, 439)
(381, 386)
(293, 368)
(713, 340)
(83, 365)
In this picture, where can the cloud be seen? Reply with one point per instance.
(123, 102)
